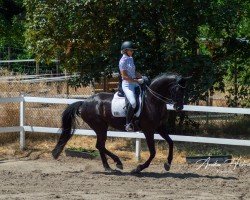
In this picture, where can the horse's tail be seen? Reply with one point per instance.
(68, 126)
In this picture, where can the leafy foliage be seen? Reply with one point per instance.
(86, 36)
(11, 23)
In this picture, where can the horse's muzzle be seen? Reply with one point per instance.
(178, 107)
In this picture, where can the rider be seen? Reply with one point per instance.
(130, 80)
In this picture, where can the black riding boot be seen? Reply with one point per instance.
(129, 117)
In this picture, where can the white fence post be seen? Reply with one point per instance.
(22, 121)
(138, 149)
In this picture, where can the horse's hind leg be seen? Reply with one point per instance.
(100, 145)
(116, 159)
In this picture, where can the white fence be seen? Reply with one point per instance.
(22, 128)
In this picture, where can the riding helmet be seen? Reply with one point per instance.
(127, 45)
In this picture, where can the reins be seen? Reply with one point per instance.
(162, 98)
(159, 96)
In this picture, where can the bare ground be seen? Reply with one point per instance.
(74, 178)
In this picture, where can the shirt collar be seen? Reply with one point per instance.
(126, 56)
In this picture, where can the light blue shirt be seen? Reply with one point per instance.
(127, 63)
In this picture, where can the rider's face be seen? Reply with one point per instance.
(130, 52)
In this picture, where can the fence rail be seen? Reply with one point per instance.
(24, 60)
(136, 135)
(38, 79)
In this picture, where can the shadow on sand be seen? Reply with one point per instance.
(165, 175)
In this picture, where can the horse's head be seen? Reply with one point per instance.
(169, 89)
(177, 92)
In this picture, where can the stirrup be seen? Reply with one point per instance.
(129, 127)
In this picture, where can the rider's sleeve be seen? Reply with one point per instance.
(123, 65)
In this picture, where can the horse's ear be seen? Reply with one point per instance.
(187, 78)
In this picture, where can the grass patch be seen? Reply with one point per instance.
(93, 153)
(237, 127)
(197, 149)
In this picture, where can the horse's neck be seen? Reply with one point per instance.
(153, 105)
(156, 103)
(158, 92)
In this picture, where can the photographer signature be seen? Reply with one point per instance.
(205, 163)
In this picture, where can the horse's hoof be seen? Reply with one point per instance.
(108, 169)
(119, 166)
(56, 153)
(167, 166)
(137, 170)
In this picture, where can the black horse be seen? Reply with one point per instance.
(96, 112)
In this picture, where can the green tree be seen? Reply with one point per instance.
(12, 15)
(229, 48)
(86, 36)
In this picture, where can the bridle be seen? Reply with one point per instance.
(165, 99)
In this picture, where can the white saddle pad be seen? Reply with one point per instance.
(118, 106)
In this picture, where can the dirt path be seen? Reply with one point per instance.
(72, 178)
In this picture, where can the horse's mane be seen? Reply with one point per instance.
(169, 75)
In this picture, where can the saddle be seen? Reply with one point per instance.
(120, 103)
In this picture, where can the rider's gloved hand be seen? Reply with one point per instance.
(140, 81)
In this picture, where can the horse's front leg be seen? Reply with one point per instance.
(164, 134)
(151, 147)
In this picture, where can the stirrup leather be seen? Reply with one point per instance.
(129, 127)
